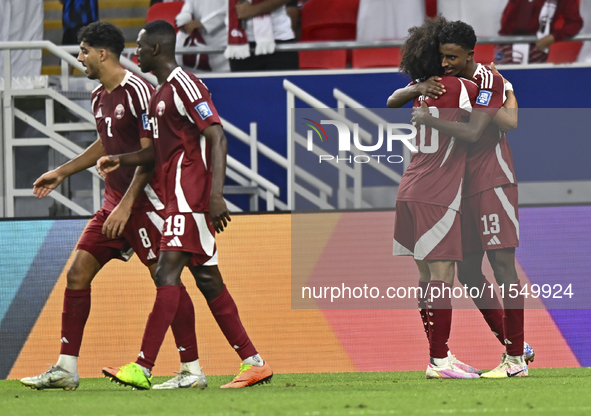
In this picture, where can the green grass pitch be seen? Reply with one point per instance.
(564, 391)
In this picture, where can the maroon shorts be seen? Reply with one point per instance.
(427, 232)
(190, 232)
(141, 235)
(490, 220)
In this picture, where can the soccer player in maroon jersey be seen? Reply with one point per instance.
(427, 221)
(191, 148)
(128, 220)
(489, 205)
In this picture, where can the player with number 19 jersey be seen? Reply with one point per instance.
(179, 111)
(429, 196)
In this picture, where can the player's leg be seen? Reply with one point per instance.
(470, 274)
(253, 370)
(143, 232)
(442, 364)
(436, 247)
(424, 280)
(183, 330)
(168, 280)
(93, 251)
(501, 219)
(76, 309)
(475, 237)
(403, 245)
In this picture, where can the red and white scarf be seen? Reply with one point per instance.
(237, 41)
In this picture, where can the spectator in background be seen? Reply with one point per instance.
(585, 53)
(77, 14)
(387, 19)
(536, 17)
(483, 15)
(203, 22)
(21, 21)
(293, 8)
(254, 28)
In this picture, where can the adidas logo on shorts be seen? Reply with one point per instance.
(175, 242)
(494, 241)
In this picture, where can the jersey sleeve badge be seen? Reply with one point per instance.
(484, 98)
(203, 110)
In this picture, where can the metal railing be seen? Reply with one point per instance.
(320, 187)
(247, 177)
(321, 46)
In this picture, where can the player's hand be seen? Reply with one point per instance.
(419, 114)
(496, 71)
(46, 183)
(218, 213)
(107, 164)
(116, 221)
(431, 88)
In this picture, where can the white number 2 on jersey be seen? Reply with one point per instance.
(434, 146)
(108, 121)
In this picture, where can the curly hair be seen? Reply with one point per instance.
(458, 33)
(103, 35)
(420, 52)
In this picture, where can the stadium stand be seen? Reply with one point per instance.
(564, 52)
(375, 57)
(165, 11)
(129, 15)
(324, 21)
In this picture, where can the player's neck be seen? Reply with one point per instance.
(163, 69)
(112, 77)
(469, 70)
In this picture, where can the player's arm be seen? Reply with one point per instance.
(506, 118)
(116, 221)
(50, 180)
(143, 157)
(430, 88)
(218, 211)
(246, 10)
(469, 132)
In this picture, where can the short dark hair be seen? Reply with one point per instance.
(459, 33)
(163, 31)
(103, 35)
(420, 52)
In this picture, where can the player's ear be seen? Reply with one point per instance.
(103, 54)
(471, 55)
(156, 49)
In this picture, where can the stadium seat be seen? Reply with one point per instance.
(484, 53)
(376, 57)
(330, 59)
(564, 52)
(326, 20)
(165, 11)
(329, 20)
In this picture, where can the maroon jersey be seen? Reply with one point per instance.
(121, 122)
(490, 162)
(435, 174)
(179, 111)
